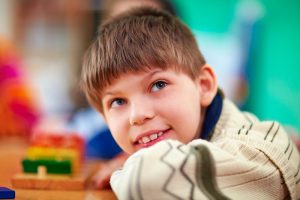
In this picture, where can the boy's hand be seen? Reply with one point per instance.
(102, 177)
(295, 138)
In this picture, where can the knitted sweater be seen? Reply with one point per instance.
(244, 159)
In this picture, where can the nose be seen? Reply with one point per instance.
(140, 112)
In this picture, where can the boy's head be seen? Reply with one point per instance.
(140, 61)
(135, 41)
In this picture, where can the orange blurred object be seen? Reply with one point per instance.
(19, 112)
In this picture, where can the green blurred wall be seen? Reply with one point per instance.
(274, 73)
(209, 16)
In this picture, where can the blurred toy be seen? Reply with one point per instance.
(6, 193)
(19, 112)
(53, 161)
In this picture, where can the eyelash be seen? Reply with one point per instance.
(115, 100)
(111, 104)
(156, 84)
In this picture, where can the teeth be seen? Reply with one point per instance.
(153, 136)
(147, 139)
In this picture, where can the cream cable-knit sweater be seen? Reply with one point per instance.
(245, 159)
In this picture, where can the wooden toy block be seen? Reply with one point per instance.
(52, 166)
(49, 182)
(45, 181)
(54, 161)
(6, 193)
(59, 140)
(50, 153)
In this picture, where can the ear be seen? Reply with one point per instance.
(208, 85)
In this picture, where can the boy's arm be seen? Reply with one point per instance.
(237, 166)
(168, 170)
(101, 178)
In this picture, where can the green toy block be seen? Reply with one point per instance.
(52, 166)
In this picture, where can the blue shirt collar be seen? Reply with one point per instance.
(212, 115)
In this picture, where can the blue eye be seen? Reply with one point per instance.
(117, 102)
(158, 86)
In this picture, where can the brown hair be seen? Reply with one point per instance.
(138, 40)
(113, 7)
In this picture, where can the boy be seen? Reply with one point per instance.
(161, 101)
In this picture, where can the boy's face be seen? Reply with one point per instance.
(144, 108)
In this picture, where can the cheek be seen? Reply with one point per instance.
(116, 126)
(180, 105)
(183, 114)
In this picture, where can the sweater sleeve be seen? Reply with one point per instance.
(168, 170)
(231, 168)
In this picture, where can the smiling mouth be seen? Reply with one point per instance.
(152, 137)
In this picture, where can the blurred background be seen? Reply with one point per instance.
(252, 44)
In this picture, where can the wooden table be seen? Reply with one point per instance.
(12, 151)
